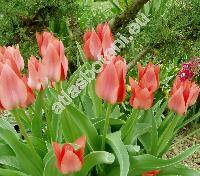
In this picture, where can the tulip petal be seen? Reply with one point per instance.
(30, 94)
(151, 173)
(64, 61)
(52, 63)
(186, 89)
(1, 57)
(12, 53)
(30, 97)
(176, 85)
(193, 95)
(87, 35)
(18, 58)
(57, 151)
(121, 71)
(59, 46)
(66, 147)
(11, 62)
(47, 37)
(34, 77)
(177, 103)
(37, 79)
(70, 163)
(107, 41)
(86, 50)
(133, 84)
(43, 42)
(149, 80)
(143, 99)
(100, 31)
(95, 45)
(140, 71)
(149, 76)
(1, 107)
(1, 67)
(81, 143)
(13, 92)
(107, 84)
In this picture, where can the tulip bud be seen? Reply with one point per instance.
(141, 98)
(54, 60)
(183, 95)
(69, 159)
(149, 77)
(110, 83)
(13, 91)
(97, 43)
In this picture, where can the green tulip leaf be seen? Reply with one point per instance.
(84, 125)
(148, 162)
(50, 168)
(178, 170)
(114, 140)
(95, 158)
(9, 161)
(29, 162)
(9, 172)
(96, 101)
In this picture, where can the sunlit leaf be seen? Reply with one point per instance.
(114, 140)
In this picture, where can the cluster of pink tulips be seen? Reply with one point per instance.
(111, 82)
(17, 90)
(14, 89)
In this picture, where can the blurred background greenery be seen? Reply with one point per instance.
(173, 31)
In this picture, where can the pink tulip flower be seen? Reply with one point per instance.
(37, 79)
(110, 83)
(141, 98)
(54, 59)
(149, 77)
(69, 159)
(13, 91)
(183, 95)
(12, 56)
(96, 43)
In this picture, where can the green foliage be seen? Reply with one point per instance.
(173, 34)
(19, 20)
(137, 146)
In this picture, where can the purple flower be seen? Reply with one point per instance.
(186, 72)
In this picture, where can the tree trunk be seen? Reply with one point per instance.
(128, 15)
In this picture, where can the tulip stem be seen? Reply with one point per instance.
(23, 130)
(59, 86)
(106, 125)
(167, 134)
